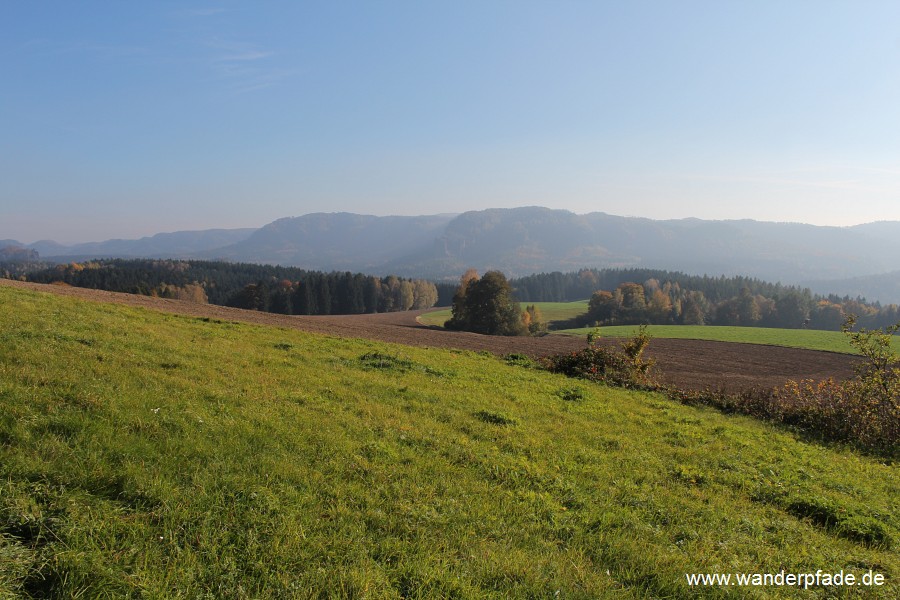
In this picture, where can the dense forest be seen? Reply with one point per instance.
(268, 288)
(579, 285)
(634, 296)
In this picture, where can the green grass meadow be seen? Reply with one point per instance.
(813, 339)
(552, 311)
(146, 455)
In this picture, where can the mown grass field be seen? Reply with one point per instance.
(832, 341)
(159, 456)
(552, 311)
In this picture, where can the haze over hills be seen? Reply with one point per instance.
(179, 244)
(884, 287)
(521, 241)
(335, 241)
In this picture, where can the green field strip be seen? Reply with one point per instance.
(831, 341)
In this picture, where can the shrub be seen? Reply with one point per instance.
(534, 320)
(829, 409)
(625, 367)
(865, 409)
(878, 377)
(840, 411)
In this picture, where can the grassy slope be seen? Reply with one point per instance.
(164, 456)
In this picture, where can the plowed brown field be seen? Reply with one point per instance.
(686, 363)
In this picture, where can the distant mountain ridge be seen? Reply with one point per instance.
(335, 241)
(521, 241)
(178, 244)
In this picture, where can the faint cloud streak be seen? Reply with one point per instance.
(246, 66)
(248, 55)
(198, 12)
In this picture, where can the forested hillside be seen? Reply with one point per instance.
(285, 290)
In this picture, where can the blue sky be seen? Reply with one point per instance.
(122, 119)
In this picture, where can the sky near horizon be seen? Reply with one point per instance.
(124, 119)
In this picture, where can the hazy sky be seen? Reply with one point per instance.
(121, 119)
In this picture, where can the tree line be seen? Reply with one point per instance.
(788, 307)
(267, 288)
(672, 297)
(616, 297)
(578, 285)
